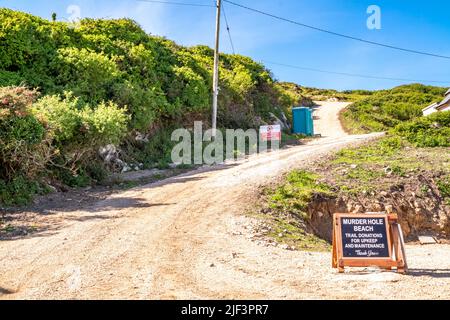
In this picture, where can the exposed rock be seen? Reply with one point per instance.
(378, 207)
(52, 188)
(109, 153)
(142, 138)
(388, 171)
(285, 120)
(417, 216)
(389, 209)
(427, 240)
(126, 168)
(173, 165)
(282, 122)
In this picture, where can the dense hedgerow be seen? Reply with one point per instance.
(24, 146)
(73, 124)
(115, 60)
(103, 81)
(23, 141)
(35, 134)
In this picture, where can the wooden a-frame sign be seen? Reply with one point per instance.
(367, 240)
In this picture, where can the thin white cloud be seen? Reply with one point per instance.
(151, 17)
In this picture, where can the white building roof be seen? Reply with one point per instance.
(431, 106)
(444, 102)
(440, 106)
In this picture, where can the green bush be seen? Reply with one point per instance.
(61, 116)
(115, 60)
(390, 144)
(295, 194)
(386, 109)
(24, 147)
(24, 130)
(14, 101)
(144, 104)
(431, 131)
(76, 126)
(18, 191)
(444, 187)
(193, 92)
(105, 124)
(75, 178)
(8, 78)
(155, 153)
(86, 73)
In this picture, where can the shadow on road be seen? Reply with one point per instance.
(433, 273)
(124, 203)
(4, 291)
(45, 223)
(57, 210)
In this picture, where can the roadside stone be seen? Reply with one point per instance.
(424, 240)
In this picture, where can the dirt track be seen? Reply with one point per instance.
(186, 237)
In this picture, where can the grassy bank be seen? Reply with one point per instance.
(390, 171)
(286, 210)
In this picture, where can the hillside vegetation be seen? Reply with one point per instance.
(385, 109)
(388, 174)
(68, 89)
(430, 131)
(317, 94)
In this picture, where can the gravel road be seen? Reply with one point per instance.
(187, 237)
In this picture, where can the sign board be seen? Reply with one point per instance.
(270, 133)
(365, 237)
(365, 240)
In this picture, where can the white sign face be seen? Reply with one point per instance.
(270, 133)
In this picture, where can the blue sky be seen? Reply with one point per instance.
(414, 24)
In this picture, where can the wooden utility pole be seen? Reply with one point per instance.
(216, 71)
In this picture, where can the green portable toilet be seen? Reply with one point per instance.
(302, 119)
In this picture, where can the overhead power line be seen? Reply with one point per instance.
(311, 27)
(337, 33)
(178, 3)
(352, 74)
(228, 29)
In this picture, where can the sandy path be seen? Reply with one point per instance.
(186, 237)
(327, 119)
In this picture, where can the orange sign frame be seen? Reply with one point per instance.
(396, 257)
